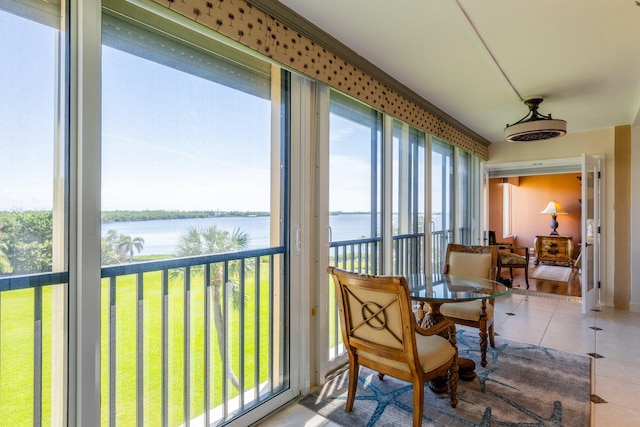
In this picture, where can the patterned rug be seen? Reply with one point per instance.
(522, 386)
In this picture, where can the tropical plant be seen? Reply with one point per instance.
(211, 240)
(109, 248)
(5, 263)
(127, 244)
(28, 241)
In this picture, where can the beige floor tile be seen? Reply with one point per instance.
(516, 334)
(609, 415)
(571, 344)
(621, 393)
(296, 416)
(615, 370)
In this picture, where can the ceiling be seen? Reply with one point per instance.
(477, 61)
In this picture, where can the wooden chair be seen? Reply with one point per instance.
(508, 257)
(473, 261)
(379, 331)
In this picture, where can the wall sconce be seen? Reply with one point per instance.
(554, 208)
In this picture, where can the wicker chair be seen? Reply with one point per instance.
(379, 331)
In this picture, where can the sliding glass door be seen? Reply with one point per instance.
(354, 172)
(442, 197)
(195, 297)
(408, 177)
(34, 213)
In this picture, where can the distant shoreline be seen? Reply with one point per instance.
(150, 215)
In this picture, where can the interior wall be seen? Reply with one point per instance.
(599, 142)
(635, 225)
(529, 198)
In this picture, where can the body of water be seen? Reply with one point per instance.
(161, 236)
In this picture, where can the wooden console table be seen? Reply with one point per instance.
(553, 250)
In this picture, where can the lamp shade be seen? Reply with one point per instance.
(553, 208)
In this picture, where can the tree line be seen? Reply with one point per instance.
(148, 215)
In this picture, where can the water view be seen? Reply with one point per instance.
(160, 236)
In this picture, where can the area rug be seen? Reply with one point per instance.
(522, 385)
(551, 272)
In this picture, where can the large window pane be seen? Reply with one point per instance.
(442, 193)
(192, 227)
(354, 150)
(408, 199)
(33, 213)
(355, 133)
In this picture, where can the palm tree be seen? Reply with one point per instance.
(5, 263)
(126, 245)
(211, 240)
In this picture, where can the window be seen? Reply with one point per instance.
(408, 198)
(194, 285)
(507, 229)
(33, 212)
(354, 166)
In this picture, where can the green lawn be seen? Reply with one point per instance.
(17, 338)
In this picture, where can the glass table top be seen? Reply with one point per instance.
(444, 287)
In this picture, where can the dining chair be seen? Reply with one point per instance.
(472, 261)
(379, 331)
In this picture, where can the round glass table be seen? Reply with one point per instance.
(439, 289)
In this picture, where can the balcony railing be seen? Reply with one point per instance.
(162, 360)
(185, 341)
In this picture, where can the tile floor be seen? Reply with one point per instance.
(558, 324)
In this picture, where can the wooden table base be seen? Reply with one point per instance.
(466, 367)
(466, 372)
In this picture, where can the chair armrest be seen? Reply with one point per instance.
(445, 326)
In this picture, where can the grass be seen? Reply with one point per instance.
(17, 349)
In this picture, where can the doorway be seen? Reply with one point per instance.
(590, 170)
(515, 215)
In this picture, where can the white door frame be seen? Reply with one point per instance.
(547, 167)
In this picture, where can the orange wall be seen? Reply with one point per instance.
(532, 195)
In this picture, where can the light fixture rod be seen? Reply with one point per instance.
(493, 58)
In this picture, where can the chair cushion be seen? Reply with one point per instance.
(470, 264)
(433, 351)
(469, 310)
(508, 258)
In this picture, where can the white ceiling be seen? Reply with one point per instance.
(477, 60)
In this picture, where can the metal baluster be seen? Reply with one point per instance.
(165, 347)
(37, 356)
(140, 350)
(207, 344)
(186, 309)
(112, 351)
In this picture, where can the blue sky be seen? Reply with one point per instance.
(171, 140)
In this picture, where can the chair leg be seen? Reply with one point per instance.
(492, 339)
(418, 402)
(354, 369)
(526, 276)
(483, 346)
(452, 376)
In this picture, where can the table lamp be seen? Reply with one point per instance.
(554, 209)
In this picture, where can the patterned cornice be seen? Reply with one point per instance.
(305, 50)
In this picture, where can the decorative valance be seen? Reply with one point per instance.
(257, 30)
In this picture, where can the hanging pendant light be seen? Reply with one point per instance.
(534, 126)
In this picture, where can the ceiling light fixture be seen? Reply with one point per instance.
(534, 126)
